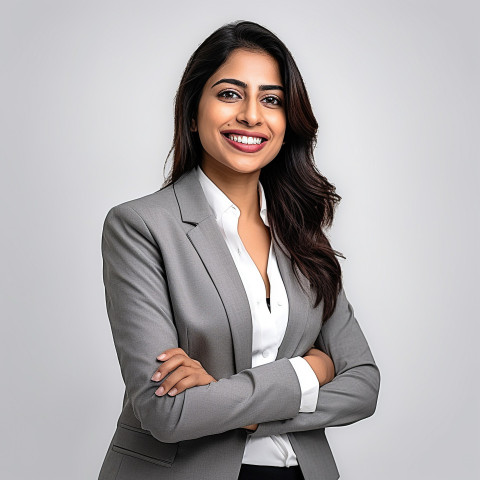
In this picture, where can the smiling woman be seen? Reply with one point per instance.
(245, 91)
(235, 338)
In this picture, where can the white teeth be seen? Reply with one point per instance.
(244, 139)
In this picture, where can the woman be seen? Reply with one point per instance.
(236, 342)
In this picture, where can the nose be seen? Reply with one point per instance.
(250, 112)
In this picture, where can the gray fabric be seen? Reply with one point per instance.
(170, 281)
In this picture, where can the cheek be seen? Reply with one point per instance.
(276, 119)
(204, 128)
(212, 115)
(279, 125)
(208, 129)
(207, 140)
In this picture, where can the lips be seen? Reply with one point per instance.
(247, 142)
(245, 133)
(245, 147)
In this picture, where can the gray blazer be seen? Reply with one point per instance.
(170, 281)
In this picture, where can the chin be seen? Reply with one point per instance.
(245, 167)
(245, 163)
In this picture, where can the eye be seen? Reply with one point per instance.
(228, 95)
(273, 100)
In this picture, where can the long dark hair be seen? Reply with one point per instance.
(301, 201)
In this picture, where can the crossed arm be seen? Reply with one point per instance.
(142, 324)
(352, 394)
(179, 372)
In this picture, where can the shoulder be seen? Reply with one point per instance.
(150, 207)
(149, 222)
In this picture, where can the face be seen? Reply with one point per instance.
(241, 118)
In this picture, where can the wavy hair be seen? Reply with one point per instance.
(301, 201)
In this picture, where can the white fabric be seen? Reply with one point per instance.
(268, 327)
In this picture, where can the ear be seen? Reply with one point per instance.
(193, 125)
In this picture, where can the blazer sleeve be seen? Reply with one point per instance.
(352, 394)
(142, 324)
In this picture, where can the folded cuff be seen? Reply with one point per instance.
(308, 383)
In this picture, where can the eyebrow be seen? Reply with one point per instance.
(239, 83)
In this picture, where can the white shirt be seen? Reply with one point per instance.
(268, 327)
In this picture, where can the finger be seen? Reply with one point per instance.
(162, 371)
(172, 380)
(170, 365)
(171, 351)
(173, 363)
(184, 384)
(191, 379)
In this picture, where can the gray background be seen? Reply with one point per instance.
(86, 121)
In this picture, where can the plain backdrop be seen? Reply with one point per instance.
(86, 121)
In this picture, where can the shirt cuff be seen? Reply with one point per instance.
(308, 384)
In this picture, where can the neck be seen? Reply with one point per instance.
(240, 188)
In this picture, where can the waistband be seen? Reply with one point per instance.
(268, 472)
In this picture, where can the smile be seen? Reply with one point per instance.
(244, 143)
(245, 140)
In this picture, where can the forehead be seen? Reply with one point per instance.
(251, 67)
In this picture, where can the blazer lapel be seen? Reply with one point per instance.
(207, 240)
(298, 305)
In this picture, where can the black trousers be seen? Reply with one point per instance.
(266, 472)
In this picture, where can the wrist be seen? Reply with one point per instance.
(318, 366)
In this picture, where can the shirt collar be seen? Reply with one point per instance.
(220, 203)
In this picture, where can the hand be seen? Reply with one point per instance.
(321, 364)
(186, 372)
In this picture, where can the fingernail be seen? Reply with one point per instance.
(162, 356)
(173, 391)
(159, 391)
(156, 376)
